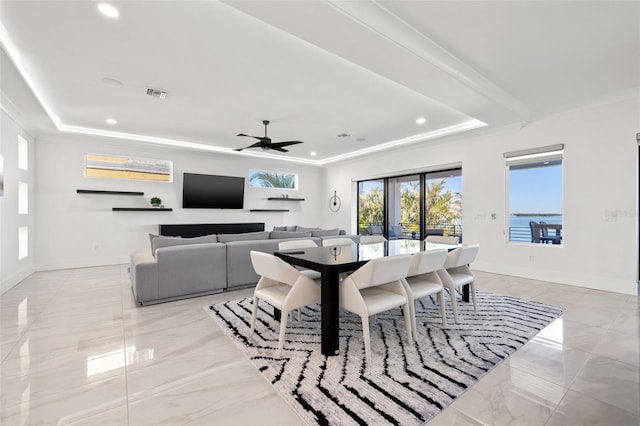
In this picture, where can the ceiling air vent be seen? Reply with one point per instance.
(156, 93)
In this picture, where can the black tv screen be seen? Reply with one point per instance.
(212, 192)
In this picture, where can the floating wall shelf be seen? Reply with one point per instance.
(96, 191)
(285, 199)
(141, 209)
(269, 210)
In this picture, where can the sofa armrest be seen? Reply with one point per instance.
(144, 276)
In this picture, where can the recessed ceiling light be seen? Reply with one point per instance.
(313, 153)
(108, 10)
(343, 135)
(111, 121)
(361, 139)
(421, 120)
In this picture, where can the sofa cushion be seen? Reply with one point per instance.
(325, 232)
(162, 241)
(277, 235)
(226, 238)
(290, 228)
(154, 236)
(304, 229)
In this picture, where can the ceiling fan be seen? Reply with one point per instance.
(265, 141)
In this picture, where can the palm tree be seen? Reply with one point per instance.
(442, 206)
(273, 180)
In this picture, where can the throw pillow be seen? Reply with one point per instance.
(303, 229)
(225, 238)
(162, 241)
(279, 235)
(279, 228)
(325, 232)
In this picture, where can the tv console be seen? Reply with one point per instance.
(198, 230)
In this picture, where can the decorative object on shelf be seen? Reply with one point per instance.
(155, 202)
(334, 202)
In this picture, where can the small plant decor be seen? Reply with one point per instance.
(155, 201)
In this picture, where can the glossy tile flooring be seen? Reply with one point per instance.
(76, 350)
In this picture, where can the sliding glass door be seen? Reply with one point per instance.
(371, 207)
(404, 207)
(411, 206)
(443, 202)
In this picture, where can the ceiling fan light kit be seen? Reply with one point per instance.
(265, 143)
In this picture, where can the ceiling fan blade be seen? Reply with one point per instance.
(255, 145)
(249, 136)
(286, 143)
(277, 148)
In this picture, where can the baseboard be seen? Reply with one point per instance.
(13, 280)
(82, 263)
(594, 282)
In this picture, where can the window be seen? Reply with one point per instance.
(23, 153)
(23, 198)
(535, 195)
(267, 179)
(23, 242)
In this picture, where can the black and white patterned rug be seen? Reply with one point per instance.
(407, 384)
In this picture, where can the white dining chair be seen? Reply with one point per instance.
(456, 273)
(423, 280)
(283, 287)
(439, 239)
(300, 243)
(341, 241)
(374, 288)
(372, 239)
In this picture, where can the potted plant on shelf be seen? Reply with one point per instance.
(155, 202)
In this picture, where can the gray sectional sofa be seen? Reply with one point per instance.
(178, 268)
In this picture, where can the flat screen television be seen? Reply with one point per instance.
(212, 192)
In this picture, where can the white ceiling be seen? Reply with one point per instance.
(316, 69)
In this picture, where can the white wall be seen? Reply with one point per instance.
(76, 230)
(12, 270)
(600, 194)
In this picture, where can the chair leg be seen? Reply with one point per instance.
(366, 338)
(454, 304)
(283, 330)
(443, 309)
(407, 320)
(414, 323)
(472, 287)
(254, 314)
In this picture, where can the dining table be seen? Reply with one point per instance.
(331, 261)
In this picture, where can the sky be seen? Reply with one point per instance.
(536, 190)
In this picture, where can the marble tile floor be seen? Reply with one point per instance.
(75, 350)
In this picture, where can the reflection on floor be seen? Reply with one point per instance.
(76, 350)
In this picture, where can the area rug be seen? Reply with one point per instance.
(406, 384)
